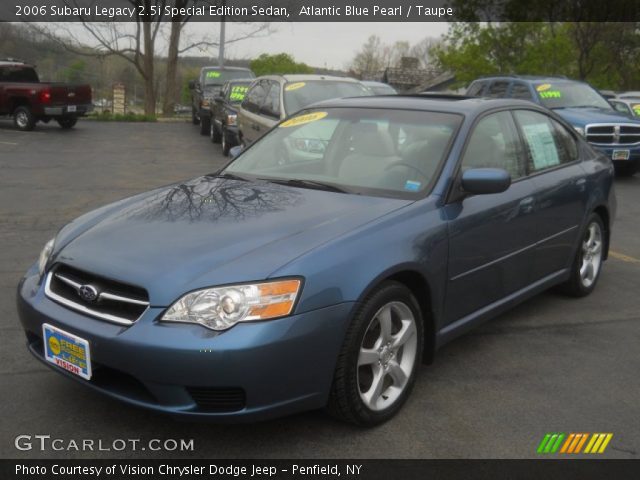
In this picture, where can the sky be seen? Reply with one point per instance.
(330, 45)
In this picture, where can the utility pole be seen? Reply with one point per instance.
(222, 35)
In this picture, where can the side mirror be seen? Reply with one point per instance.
(235, 151)
(192, 84)
(483, 181)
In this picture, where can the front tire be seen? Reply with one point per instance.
(205, 124)
(23, 119)
(587, 264)
(213, 133)
(377, 364)
(226, 146)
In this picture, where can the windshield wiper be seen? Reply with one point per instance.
(230, 176)
(299, 182)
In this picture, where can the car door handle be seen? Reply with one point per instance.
(527, 204)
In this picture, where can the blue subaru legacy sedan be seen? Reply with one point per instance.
(326, 262)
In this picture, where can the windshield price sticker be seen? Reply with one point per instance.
(213, 74)
(294, 86)
(302, 119)
(238, 92)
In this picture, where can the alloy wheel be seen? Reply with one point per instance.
(387, 356)
(591, 254)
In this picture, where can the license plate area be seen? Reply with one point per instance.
(71, 108)
(67, 351)
(620, 155)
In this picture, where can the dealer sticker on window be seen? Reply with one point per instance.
(620, 155)
(67, 351)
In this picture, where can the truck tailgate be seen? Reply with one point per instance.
(62, 94)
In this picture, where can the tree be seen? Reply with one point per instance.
(370, 59)
(278, 64)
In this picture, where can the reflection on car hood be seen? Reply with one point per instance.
(579, 117)
(210, 231)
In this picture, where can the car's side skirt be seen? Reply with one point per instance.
(487, 312)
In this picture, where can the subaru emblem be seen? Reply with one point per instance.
(88, 293)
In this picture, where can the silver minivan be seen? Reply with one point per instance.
(272, 98)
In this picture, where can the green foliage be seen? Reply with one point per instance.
(127, 117)
(280, 63)
(75, 72)
(605, 54)
(185, 91)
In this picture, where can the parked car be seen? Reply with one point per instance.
(283, 284)
(379, 88)
(224, 114)
(272, 98)
(207, 87)
(28, 100)
(610, 132)
(627, 106)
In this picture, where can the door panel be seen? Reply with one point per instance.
(561, 195)
(491, 237)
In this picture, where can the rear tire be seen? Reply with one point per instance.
(23, 119)
(587, 264)
(67, 122)
(379, 359)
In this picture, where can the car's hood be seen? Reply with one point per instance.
(579, 117)
(210, 231)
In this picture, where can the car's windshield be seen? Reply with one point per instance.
(237, 91)
(358, 150)
(218, 77)
(298, 95)
(570, 94)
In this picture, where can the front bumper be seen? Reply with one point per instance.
(279, 366)
(77, 110)
(634, 152)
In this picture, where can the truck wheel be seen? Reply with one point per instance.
(67, 122)
(213, 133)
(205, 124)
(23, 119)
(626, 169)
(226, 146)
(194, 117)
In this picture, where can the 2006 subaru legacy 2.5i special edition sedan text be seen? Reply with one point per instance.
(326, 262)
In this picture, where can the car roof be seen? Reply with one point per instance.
(215, 67)
(526, 78)
(434, 103)
(16, 63)
(300, 77)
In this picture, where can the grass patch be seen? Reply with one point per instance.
(127, 117)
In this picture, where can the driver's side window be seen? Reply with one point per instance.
(494, 143)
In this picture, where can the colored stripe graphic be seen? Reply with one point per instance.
(556, 443)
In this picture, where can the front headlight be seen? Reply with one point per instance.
(221, 308)
(231, 119)
(45, 254)
(580, 130)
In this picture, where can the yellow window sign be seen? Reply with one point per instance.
(551, 94)
(302, 119)
(294, 86)
(543, 87)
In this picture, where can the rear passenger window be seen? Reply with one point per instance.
(521, 91)
(476, 88)
(548, 143)
(494, 143)
(498, 89)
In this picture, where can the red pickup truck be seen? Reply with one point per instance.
(28, 100)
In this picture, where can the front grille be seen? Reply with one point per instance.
(114, 301)
(230, 399)
(613, 134)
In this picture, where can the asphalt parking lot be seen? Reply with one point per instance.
(553, 364)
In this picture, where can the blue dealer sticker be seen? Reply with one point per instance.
(412, 186)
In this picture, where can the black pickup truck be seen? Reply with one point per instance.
(207, 87)
(28, 100)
